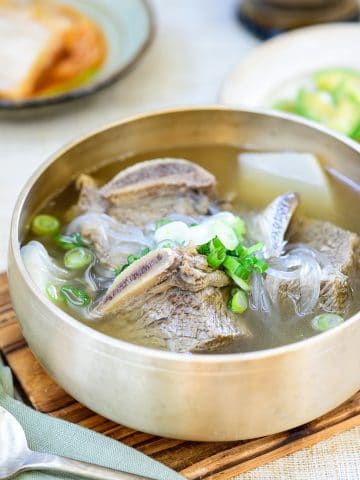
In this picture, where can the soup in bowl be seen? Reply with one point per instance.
(195, 273)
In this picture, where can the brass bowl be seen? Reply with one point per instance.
(192, 397)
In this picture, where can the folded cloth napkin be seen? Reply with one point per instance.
(50, 435)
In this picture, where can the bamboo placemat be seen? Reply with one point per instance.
(195, 460)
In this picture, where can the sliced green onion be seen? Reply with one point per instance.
(238, 302)
(255, 248)
(204, 249)
(225, 234)
(131, 259)
(55, 294)
(78, 258)
(117, 271)
(233, 291)
(67, 242)
(239, 227)
(75, 296)
(231, 264)
(326, 321)
(249, 262)
(240, 251)
(216, 258)
(238, 261)
(216, 243)
(217, 253)
(260, 265)
(240, 282)
(243, 271)
(45, 225)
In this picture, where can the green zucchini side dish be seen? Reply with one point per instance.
(334, 101)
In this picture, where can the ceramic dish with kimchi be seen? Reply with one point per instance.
(57, 50)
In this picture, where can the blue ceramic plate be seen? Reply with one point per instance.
(128, 28)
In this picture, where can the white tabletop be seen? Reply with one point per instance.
(197, 44)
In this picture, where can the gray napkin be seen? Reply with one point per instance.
(50, 435)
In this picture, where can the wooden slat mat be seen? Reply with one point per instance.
(215, 461)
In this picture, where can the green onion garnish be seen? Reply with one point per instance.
(254, 248)
(131, 259)
(67, 242)
(55, 294)
(78, 258)
(326, 321)
(216, 253)
(75, 296)
(238, 263)
(238, 302)
(45, 225)
(216, 258)
(204, 249)
(240, 282)
(239, 227)
(261, 266)
(238, 271)
(231, 264)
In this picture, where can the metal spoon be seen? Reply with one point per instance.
(16, 457)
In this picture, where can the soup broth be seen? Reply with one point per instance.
(249, 190)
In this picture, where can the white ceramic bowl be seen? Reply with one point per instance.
(278, 66)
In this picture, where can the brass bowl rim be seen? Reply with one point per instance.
(121, 345)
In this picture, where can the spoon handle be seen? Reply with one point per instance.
(49, 462)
